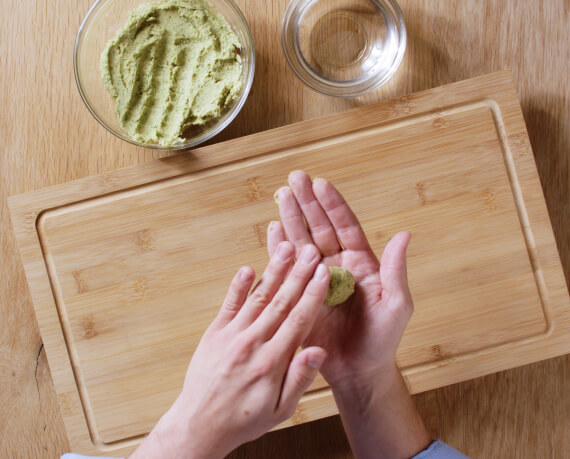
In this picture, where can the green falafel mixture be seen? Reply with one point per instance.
(174, 64)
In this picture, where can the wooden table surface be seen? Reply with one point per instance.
(48, 137)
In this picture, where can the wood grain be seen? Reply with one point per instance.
(131, 266)
(49, 138)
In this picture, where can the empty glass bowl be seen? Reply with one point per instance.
(101, 23)
(343, 48)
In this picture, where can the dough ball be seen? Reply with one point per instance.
(341, 286)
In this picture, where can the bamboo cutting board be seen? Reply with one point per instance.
(127, 269)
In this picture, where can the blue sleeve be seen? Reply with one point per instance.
(440, 450)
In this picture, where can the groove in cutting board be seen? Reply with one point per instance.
(127, 270)
(234, 204)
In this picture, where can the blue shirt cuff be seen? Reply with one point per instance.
(440, 450)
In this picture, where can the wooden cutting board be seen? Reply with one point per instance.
(127, 269)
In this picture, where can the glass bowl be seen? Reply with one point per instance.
(343, 48)
(101, 23)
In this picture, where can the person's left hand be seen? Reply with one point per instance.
(244, 377)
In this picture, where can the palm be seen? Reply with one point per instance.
(349, 331)
(370, 323)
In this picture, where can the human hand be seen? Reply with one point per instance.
(244, 377)
(361, 335)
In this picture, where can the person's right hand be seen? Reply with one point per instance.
(361, 335)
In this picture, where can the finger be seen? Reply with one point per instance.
(301, 373)
(271, 280)
(292, 218)
(393, 270)
(275, 235)
(236, 296)
(289, 293)
(347, 227)
(296, 327)
(319, 225)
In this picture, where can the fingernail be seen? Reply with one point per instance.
(282, 192)
(244, 274)
(284, 252)
(270, 227)
(321, 272)
(316, 360)
(307, 254)
(275, 198)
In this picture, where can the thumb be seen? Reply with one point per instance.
(302, 372)
(393, 269)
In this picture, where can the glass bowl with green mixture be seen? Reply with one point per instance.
(164, 74)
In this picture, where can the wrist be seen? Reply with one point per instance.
(175, 437)
(379, 415)
(363, 384)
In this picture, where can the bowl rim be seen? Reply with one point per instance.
(229, 116)
(345, 89)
